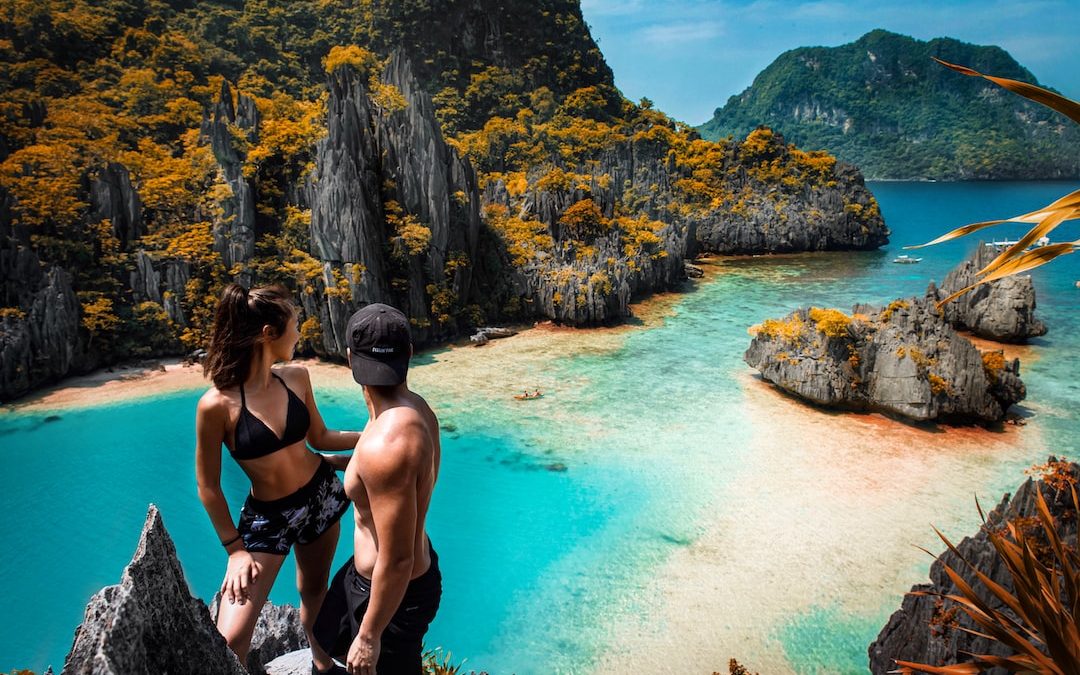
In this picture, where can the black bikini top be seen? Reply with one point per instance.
(253, 439)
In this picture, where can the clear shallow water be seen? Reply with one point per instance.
(544, 570)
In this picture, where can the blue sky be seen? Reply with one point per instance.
(689, 56)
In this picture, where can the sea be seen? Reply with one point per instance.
(660, 509)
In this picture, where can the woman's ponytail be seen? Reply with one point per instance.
(238, 324)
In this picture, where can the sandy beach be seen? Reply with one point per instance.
(846, 499)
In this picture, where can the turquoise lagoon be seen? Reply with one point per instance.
(659, 507)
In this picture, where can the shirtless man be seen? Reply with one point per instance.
(382, 601)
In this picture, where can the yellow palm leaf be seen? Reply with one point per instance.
(1067, 107)
(1069, 202)
(1022, 263)
(1034, 234)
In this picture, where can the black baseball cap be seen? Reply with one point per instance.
(379, 342)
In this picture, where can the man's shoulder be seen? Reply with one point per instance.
(400, 437)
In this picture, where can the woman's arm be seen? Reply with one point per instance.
(210, 420)
(318, 436)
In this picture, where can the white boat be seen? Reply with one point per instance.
(906, 260)
(1005, 243)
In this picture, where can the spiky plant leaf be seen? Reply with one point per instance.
(1067, 107)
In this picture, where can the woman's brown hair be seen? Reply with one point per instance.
(238, 323)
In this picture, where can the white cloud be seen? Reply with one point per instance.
(682, 32)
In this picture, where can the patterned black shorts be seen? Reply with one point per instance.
(299, 518)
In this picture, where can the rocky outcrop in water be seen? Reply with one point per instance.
(903, 360)
(825, 213)
(927, 629)
(150, 622)
(1002, 310)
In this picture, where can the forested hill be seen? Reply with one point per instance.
(469, 161)
(884, 105)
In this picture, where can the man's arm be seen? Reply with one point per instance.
(389, 474)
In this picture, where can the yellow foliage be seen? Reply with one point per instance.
(938, 385)
(893, 306)
(363, 61)
(831, 322)
(993, 364)
(792, 329)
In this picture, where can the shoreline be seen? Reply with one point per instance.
(145, 378)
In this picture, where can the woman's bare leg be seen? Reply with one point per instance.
(236, 622)
(313, 562)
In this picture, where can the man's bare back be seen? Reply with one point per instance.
(399, 445)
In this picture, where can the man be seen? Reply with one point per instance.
(382, 601)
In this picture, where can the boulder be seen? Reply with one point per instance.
(149, 622)
(278, 631)
(903, 360)
(1002, 310)
(927, 629)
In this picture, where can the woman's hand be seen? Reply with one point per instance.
(363, 655)
(339, 462)
(240, 575)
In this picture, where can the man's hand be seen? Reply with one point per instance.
(240, 575)
(363, 655)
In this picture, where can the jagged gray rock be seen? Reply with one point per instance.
(1002, 310)
(377, 154)
(921, 630)
(234, 231)
(150, 622)
(816, 215)
(113, 198)
(278, 631)
(903, 360)
(161, 280)
(39, 333)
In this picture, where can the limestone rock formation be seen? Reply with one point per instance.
(39, 326)
(113, 198)
(921, 630)
(819, 217)
(395, 210)
(903, 360)
(149, 622)
(1002, 310)
(278, 631)
(234, 231)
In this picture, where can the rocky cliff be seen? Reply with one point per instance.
(1002, 310)
(394, 210)
(904, 360)
(929, 630)
(150, 623)
(805, 210)
(39, 319)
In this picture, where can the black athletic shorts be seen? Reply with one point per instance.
(346, 602)
(299, 518)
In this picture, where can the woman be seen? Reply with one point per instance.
(263, 415)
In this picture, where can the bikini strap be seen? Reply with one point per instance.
(243, 400)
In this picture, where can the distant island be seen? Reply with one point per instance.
(883, 104)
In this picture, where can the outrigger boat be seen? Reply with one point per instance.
(528, 397)
(906, 260)
(1005, 243)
